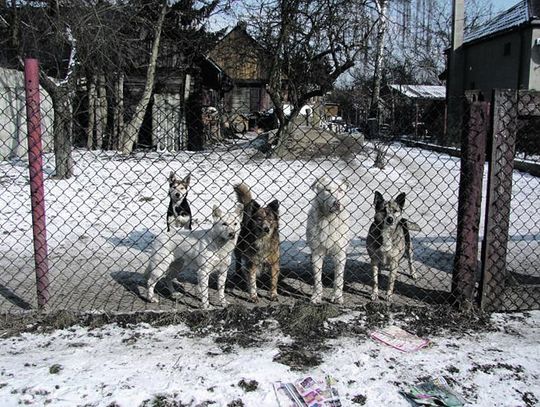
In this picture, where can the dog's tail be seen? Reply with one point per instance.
(407, 226)
(243, 193)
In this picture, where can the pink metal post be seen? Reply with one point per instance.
(35, 163)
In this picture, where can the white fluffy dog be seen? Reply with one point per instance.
(328, 234)
(208, 250)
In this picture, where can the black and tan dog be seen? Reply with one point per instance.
(179, 212)
(257, 247)
(389, 240)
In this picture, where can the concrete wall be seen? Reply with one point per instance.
(13, 131)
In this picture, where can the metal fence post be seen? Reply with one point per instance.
(35, 164)
(473, 147)
(499, 196)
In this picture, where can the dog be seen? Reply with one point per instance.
(208, 250)
(257, 247)
(389, 240)
(179, 212)
(328, 234)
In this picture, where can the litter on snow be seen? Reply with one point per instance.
(434, 392)
(400, 339)
(308, 392)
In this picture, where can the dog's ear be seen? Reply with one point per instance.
(216, 212)
(345, 183)
(239, 209)
(400, 200)
(274, 206)
(187, 179)
(255, 206)
(172, 177)
(378, 201)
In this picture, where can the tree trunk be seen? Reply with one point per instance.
(132, 128)
(382, 8)
(118, 111)
(101, 112)
(90, 129)
(62, 131)
(62, 98)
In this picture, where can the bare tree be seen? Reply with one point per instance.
(312, 44)
(128, 135)
(382, 24)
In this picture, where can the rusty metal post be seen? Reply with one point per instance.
(35, 164)
(499, 197)
(473, 147)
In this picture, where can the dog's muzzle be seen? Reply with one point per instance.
(389, 220)
(266, 229)
(231, 236)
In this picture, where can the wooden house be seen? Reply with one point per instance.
(246, 62)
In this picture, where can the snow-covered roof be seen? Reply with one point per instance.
(504, 21)
(421, 91)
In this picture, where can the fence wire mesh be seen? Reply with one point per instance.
(310, 202)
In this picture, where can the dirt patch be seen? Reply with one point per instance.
(308, 327)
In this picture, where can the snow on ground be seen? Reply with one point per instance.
(172, 366)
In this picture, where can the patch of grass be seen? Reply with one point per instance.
(249, 385)
(163, 400)
(236, 403)
(306, 320)
(55, 369)
(359, 399)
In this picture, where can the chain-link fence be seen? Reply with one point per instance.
(183, 167)
(106, 224)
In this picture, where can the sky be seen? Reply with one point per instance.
(499, 5)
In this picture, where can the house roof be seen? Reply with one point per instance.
(506, 20)
(421, 91)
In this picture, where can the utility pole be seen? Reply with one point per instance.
(455, 80)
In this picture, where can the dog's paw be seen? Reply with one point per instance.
(154, 300)
(316, 299)
(274, 297)
(224, 303)
(254, 298)
(176, 295)
(389, 297)
(207, 307)
(375, 296)
(337, 300)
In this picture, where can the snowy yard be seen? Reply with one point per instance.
(492, 362)
(102, 222)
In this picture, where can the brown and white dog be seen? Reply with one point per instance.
(257, 247)
(389, 240)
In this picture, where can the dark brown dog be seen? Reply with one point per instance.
(258, 243)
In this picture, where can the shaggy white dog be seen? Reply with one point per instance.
(328, 234)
